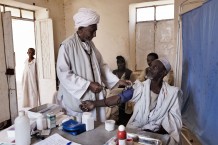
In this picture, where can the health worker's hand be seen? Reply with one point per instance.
(95, 87)
(124, 83)
(87, 105)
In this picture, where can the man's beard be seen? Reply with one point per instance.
(149, 76)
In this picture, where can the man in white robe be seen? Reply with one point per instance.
(30, 81)
(81, 69)
(165, 114)
(157, 104)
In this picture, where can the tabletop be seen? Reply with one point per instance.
(99, 136)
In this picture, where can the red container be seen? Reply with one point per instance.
(121, 135)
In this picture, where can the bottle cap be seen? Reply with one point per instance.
(121, 128)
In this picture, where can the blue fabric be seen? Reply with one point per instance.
(200, 72)
(126, 95)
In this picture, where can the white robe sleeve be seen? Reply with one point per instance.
(109, 79)
(74, 84)
(173, 122)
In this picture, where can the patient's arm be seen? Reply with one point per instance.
(89, 105)
(123, 97)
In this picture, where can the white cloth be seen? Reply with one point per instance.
(30, 84)
(166, 113)
(75, 74)
(85, 17)
(166, 63)
(153, 100)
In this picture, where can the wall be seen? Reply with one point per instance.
(113, 30)
(56, 13)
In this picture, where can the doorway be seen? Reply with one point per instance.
(41, 27)
(23, 38)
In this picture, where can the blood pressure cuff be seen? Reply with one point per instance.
(126, 95)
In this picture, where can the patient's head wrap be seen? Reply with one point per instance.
(166, 63)
(85, 17)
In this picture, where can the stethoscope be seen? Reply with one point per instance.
(90, 60)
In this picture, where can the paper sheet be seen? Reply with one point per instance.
(55, 139)
(4, 136)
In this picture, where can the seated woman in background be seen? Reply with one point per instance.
(122, 72)
(122, 113)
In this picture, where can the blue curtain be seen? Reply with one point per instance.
(200, 71)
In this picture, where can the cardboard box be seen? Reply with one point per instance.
(43, 110)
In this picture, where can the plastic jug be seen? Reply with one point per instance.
(22, 129)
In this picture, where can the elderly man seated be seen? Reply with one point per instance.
(157, 104)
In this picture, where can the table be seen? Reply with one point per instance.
(100, 136)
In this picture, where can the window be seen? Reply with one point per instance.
(2, 8)
(165, 12)
(27, 14)
(18, 13)
(145, 14)
(155, 13)
(14, 12)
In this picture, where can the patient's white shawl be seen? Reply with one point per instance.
(166, 113)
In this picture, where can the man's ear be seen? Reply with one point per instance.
(80, 30)
(164, 73)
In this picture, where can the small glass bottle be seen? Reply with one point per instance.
(121, 135)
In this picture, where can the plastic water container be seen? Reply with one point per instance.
(22, 129)
(88, 120)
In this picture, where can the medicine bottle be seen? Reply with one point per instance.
(41, 123)
(121, 135)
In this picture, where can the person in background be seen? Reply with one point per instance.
(157, 104)
(30, 81)
(123, 73)
(150, 57)
(82, 73)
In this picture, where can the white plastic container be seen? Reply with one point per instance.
(41, 123)
(88, 120)
(22, 129)
(110, 125)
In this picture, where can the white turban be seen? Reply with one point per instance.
(85, 17)
(166, 63)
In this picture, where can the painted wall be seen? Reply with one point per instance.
(113, 30)
(56, 13)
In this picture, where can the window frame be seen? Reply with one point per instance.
(20, 10)
(154, 6)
